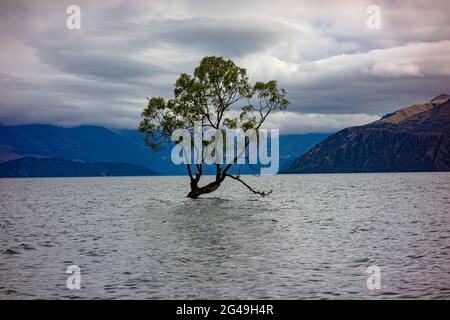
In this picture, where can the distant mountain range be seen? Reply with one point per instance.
(53, 167)
(99, 144)
(415, 138)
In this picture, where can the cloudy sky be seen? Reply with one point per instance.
(337, 71)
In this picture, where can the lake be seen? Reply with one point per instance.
(313, 238)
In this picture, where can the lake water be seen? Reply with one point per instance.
(313, 237)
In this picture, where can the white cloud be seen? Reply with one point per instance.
(410, 60)
(292, 122)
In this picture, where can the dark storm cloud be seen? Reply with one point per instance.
(101, 65)
(230, 37)
(97, 55)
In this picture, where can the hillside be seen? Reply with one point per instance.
(100, 144)
(416, 138)
(54, 167)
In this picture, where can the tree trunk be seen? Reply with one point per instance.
(196, 191)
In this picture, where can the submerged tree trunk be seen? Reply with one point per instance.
(196, 191)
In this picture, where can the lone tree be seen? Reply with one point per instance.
(208, 97)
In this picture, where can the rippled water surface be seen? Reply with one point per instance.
(313, 237)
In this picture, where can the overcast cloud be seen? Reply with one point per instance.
(337, 72)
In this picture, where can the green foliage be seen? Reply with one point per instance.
(208, 96)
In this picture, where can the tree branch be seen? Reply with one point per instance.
(262, 193)
(188, 166)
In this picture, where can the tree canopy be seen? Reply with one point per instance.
(217, 95)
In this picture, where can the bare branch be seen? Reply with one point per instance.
(261, 193)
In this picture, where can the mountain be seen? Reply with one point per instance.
(54, 167)
(291, 146)
(415, 138)
(100, 144)
(85, 143)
